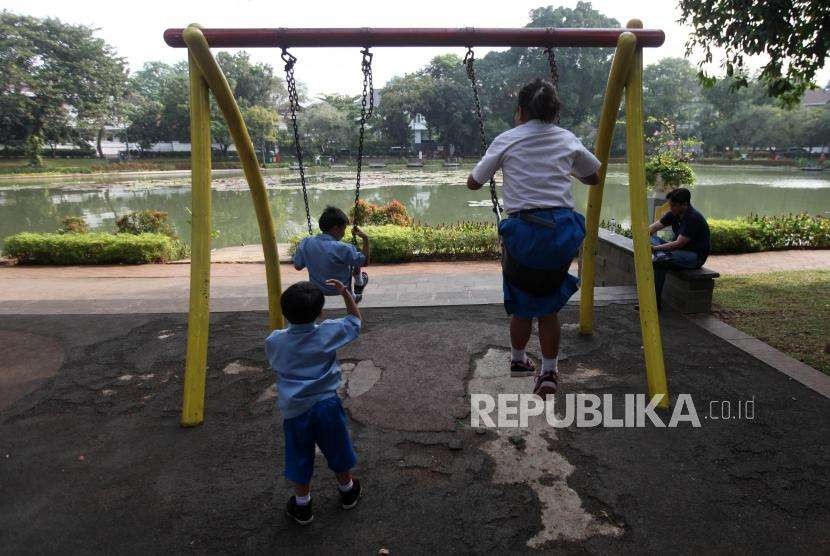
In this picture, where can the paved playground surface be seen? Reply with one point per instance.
(92, 458)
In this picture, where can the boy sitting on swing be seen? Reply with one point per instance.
(328, 258)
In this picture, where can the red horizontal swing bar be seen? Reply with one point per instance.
(469, 36)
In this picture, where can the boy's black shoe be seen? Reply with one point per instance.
(349, 498)
(301, 514)
(518, 368)
(547, 383)
(358, 288)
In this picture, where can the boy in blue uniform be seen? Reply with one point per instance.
(326, 257)
(304, 357)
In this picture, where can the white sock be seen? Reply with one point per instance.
(550, 365)
(346, 487)
(519, 355)
(358, 279)
(303, 500)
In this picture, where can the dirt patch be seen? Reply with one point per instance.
(26, 362)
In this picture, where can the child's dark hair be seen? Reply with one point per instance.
(680, 196)
(302, 303)
(539, 101)
(332, 217)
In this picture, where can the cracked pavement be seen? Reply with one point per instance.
(92, 458)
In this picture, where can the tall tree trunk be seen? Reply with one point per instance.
(98, 142)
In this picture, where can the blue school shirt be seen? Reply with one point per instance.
(326, 257)
(304, 357)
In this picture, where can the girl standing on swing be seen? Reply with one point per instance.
(543, 233)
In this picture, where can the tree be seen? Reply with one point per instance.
(672, 92)
(53, 77)
(325, 128)
(583, 72)
(397, 101)
(158, 104)
(252, 84)
(261, 122)
(792, 34)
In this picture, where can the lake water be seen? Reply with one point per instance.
(432, 196)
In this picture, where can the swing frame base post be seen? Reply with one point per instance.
(617, 78)
(198, 320)
(206, 76)
(649, 318)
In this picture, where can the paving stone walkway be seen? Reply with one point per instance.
(241, 287)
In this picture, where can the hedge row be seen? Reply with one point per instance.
(472, 241)
(399, 244)
(82, 249)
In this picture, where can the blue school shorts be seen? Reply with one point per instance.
(323, 425)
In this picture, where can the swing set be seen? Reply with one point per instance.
(626, 75)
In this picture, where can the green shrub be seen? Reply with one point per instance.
(145, 222)
(733, 236)
(45, 170)
(80, 249)
(73, 225)
(792, 231)
(475, 241)
(673, 172)
(398, 244)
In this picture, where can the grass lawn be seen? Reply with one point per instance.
(788, 310)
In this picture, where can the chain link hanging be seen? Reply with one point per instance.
(294, 106)
(554, 72)
(367, 106)
(469, 63)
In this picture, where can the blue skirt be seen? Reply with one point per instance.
(540, 247)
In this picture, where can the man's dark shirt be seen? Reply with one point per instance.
(692, 225)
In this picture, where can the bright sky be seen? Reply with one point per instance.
(135, 28)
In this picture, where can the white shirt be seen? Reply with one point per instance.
(537, 160)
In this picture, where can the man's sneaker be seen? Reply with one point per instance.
(517, 368)
(358, 297)
(300, 514)
(349, 498)
(358, 288)
(547, 383)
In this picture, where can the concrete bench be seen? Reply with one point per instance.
(688, 291)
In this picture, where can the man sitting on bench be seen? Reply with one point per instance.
(690, 246)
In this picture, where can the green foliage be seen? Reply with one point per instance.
(671, 91)
(325, 128)
(59, 82)
(791, 231)
(394, 213)
(733, 236)
(762, 233)
(398, 244)
(672, 172)
(73, 225)
(670, 159)
(46, 170)
(145, 222)
(82, 249)
(793, 35)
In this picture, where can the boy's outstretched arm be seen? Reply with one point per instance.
(366, 250)
(351, 306)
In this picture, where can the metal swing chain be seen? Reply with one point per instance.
(294, 104)
(554, 72)
(367, 106)
(469, 62)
